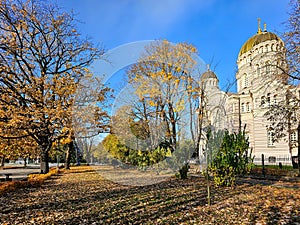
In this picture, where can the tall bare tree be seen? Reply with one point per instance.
(292, 40)
(90, 115)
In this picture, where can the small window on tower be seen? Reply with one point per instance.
(243, 107)
(267, 67)
(294, 137)
(267, 48)
(257, 70)
(248, 107)
(246, 80)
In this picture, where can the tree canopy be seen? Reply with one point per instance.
(42, 58)
(165, 86)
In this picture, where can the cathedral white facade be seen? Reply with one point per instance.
(261, 82)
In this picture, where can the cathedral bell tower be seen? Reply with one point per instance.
(260, 57)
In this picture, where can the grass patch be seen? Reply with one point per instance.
(274, 170)
(284, 167)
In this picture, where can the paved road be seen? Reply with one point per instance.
(18, 173)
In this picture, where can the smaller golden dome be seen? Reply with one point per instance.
(208, 74)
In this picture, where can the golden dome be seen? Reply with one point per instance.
(258, 38)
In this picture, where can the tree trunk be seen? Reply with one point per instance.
(25, 162)
(183, 172)
(191, 112)
(70, 149)
(163, 115)
(200, 121)
(88, 157)
(173, 126)
(298, 136)
(45, 146)
(2, 161)
(44, 162)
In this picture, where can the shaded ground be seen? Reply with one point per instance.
(82, 196)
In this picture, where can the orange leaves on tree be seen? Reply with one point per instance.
(43, 60)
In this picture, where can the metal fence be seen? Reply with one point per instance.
(285, 160)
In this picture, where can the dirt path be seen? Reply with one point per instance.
(82, 196)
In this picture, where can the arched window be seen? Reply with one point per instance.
(257, 70)
(267, 67)
(246, 80)
(267, 48)
(248, 107)
(261, 49)
(243, 107)
(272, 47)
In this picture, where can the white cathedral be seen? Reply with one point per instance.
(260, 83)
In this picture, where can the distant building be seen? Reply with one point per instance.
(260, 83)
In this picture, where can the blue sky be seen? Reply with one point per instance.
(218, 28)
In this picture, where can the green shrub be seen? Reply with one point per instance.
(183, 171)
(231, 159)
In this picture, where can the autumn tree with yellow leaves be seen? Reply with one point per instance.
(25, 148)
(42, 58)
(17, 148)
(164, 83)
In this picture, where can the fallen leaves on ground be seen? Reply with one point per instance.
(33, 180)
(83, 196)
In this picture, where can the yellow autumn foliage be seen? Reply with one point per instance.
(165, 81)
